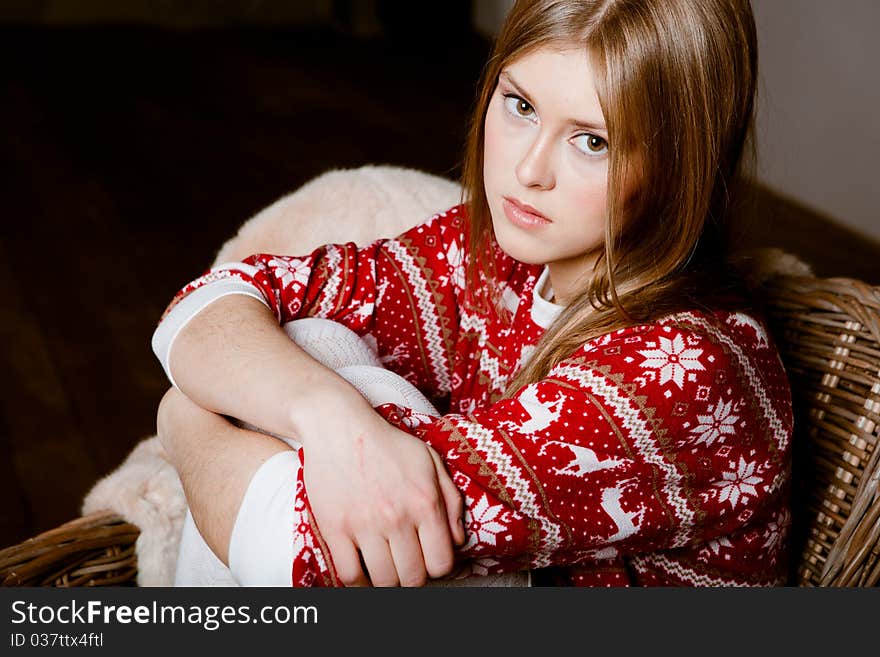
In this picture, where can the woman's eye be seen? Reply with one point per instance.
(517, 106)
(591, 144)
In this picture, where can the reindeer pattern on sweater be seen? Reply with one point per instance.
(657, 454)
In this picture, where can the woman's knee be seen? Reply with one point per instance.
(162, 417)
(331, 343)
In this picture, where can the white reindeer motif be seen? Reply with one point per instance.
(380, 292)
(398, 353)
(541, 414)
(526, 354)
(608, 552)
(586, 461)
(624, 521)
(365, 310)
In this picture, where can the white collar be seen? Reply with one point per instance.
(543, 311)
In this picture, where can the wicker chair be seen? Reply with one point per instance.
(829, 334)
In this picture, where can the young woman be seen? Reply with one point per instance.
(615, 411)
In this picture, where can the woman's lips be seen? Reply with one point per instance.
(521, 216)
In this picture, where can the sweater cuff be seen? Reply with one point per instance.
(190, 306)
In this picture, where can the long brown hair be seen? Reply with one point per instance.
(676, 82)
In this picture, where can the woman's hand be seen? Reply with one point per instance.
(375, 489)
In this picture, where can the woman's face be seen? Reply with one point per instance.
(546, 147)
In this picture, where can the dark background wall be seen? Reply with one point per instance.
(129, 155)
(179, 13)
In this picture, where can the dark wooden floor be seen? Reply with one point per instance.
(128, 156)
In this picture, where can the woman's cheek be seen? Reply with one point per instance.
(588, 201)
(588, 187)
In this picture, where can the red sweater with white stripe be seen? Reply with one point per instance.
(654, 455)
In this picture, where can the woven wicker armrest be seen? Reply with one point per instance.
(95, 550)
(828, 332)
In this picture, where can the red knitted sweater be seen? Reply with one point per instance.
(654, 455)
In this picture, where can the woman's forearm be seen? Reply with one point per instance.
(234, 359)
(372, 487)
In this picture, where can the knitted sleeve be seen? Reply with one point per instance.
(399, 294)
(646, 440)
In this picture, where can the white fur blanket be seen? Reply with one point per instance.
(355, 205)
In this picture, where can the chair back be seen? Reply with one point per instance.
(828, 333)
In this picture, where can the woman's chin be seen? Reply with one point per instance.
(523, 249)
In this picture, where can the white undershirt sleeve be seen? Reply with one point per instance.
(190, 306)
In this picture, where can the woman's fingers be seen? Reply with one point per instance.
(346, 561)
(384, 492)
(377, 558)
(407, 554)
(436, 546)
(451, 498)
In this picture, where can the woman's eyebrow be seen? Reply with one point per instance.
(587, 125)
(514, 84)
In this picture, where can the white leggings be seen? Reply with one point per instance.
(261, 545)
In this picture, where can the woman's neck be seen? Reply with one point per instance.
(568, 278)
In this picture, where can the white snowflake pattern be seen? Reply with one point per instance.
(481, 523)
(301, 543)
(718, 423)
(716, 544)
(289, 270)
(775, 531)
(714, 547)
(741, 319)
(304, 549)
(738, 485)
(673, 360)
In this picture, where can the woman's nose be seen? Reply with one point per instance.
(535, 168)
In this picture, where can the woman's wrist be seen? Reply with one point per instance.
(329, 405)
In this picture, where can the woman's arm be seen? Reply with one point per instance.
(585, 465)
(372, 488)
(233, 358)
(237, 360)
(647, 440)
(229, 354)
